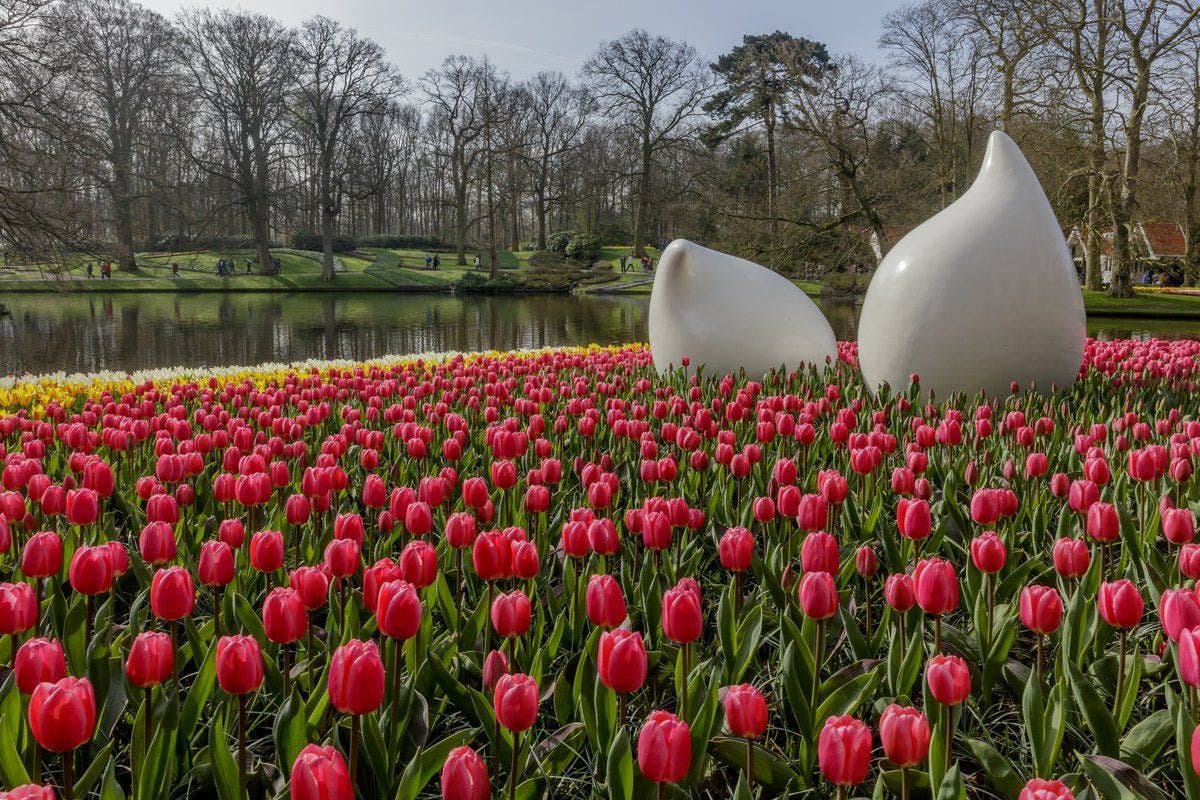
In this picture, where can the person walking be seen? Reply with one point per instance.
(91, 273)
(437, 262)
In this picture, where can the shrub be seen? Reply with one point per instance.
(309, 240)
(584, 247)
(433, 243)
(557, 242)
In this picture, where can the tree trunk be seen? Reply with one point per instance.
(772, 170)
(641, 210)
(1125, 209)
(123, 221)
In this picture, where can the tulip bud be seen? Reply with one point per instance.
(239, 664)
(664, 748)
(949, 679)
(62, 715)
(320, 773)
(356, 678)
(151, 660)
(464, 776)
(515, 702)
(621, 660)
(745, 711)
(905, 734)
(1120, 603)
(844, 751)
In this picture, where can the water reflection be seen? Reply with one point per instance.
(86, 333)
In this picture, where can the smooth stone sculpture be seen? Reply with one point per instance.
(981, 295)
(728, 313)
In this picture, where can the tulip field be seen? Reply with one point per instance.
(559, 574)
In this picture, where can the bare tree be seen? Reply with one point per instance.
(659, 86)
(939, 63)
(340, 77)
(559, 113)
(1150, 29)
(122, 65)
(1179, 94)
(454, 91)
(1013, 30)
(240, 69)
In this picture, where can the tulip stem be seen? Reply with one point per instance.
(660, 791)
(68, 770)
(1122, 637)
(1040, 657)
(624, 718)
(89, 618)
(242, 767)
(399, 660)
(904, 788)
(685, 655)
(749, 763)
(147, 724)
(937, 634)
(285, 656)
(512, 774)
(216, 612)
(353, 749)
(818, 655)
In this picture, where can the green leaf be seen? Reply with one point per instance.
(1094, 711)
(11, 766)
(428, 762)
(952, 786)
(85, 782)
(619, 770)
(290, 732)
(1146, 740)
(1000, 771)
(770, 771)
(224, 768)
(1126, 776)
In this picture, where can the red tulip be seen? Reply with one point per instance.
(1041, 609)
(844, 751)
(495, 667)
(812, 513)
(156, 543)
(151, 660)
(913, 519)
(239, 664)
(818, 595)
(312, 584)
(418, 564)
(492, 556)
(62, 715)
(284, 617)
(398, 610)
(516, 702)
(905, 734)
(1178, 525)
(664, 748)
(1120, 603)
(1103, 525)
(83, 506)
(682, 617)
(936, 585)
(988, 553)
(1179, 610)
(866, 563)
(1040, 789)
(1071, 558)
(172, 594)
(216, 564)
(29, 791)
(621, 660)
(511, 614)
(342, 557)
(604, 601)
(320, 773)
(232, 532)
(819, 553)
(745, 711)
(42, 556)
(91, 570)
(18, 608)
(464, 776)
(899, 592)
(38, 661)
(1188, 659)
(356, 678)
(949, 679)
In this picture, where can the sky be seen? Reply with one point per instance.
(525, 36)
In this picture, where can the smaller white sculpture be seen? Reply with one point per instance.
(981, 295)
(728, 313)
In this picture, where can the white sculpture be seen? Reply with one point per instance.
(728, 313)
(980, 295)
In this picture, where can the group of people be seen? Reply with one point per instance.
(433, 262)
(105, 270)
(226, 267)
(630, 264)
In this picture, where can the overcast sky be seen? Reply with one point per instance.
(524, 36)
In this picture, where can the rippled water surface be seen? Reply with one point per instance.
(89, 332)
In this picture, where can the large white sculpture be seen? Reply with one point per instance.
(982, 294)
(728, 313)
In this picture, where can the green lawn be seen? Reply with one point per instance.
(1143, 304)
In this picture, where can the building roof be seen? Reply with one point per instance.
(1164, 239)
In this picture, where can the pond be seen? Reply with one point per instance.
(91, 332)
